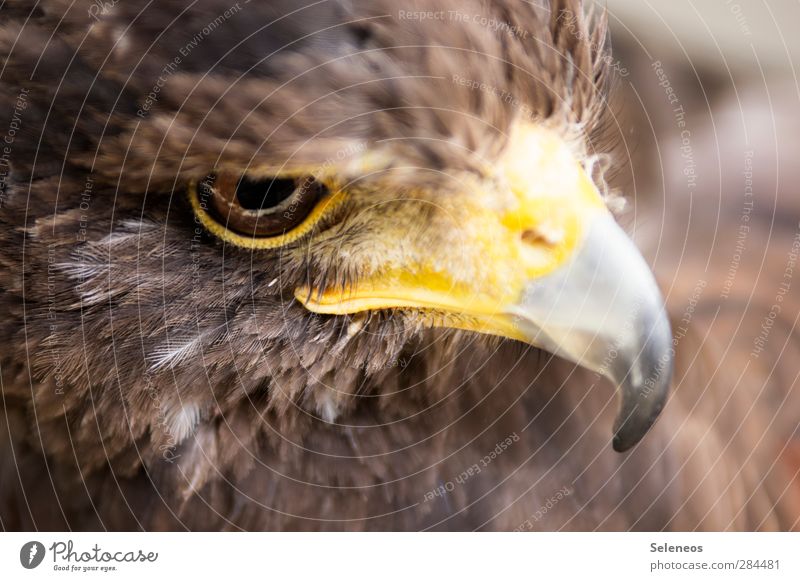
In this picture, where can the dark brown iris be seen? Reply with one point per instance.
(261, 207)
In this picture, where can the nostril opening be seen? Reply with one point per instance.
(542, 236)
(532, 237)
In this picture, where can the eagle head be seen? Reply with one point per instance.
(272, 201)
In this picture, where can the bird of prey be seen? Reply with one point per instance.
(332, 265)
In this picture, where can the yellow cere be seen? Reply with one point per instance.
(540, 204)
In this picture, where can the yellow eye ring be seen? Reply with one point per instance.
(328, 202)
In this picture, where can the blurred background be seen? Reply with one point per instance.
(709, 118)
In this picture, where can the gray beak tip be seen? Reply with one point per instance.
(630, 432)
(640, 407)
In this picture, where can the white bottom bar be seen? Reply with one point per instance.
(351, 557)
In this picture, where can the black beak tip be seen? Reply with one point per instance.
(634, 428)
(622, 444)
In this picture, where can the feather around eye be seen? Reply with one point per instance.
(259, 214)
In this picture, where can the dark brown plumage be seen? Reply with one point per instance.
(155, 378)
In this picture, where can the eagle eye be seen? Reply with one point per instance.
(263, 194)
(260, 207)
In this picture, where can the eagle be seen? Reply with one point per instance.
(341, 265)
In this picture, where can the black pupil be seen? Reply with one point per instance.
(263, 194)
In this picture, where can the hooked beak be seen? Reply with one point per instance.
(604, 311)
(550, 267)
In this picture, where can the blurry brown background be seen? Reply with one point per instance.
(713, 137)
